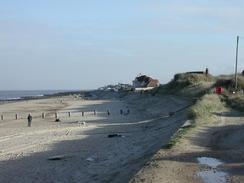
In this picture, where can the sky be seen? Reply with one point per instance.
(78, 44)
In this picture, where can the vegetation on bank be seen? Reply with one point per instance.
(234, 98)
(228, 82)
(208, 104)
(235, 101)
(196, 85)
(187, 84)
(206, 108)
(203, 111)
(177, 136)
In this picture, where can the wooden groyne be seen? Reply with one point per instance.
(57, 115)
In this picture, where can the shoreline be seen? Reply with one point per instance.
(81, 93)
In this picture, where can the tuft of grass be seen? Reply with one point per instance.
(206, 107)
(177, 136)
(235, 101)
(202, 111)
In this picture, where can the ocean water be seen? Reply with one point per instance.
(16, 95)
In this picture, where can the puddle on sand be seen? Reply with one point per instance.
(211, 174)
(211, 162)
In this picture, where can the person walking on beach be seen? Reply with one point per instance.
(29, 118)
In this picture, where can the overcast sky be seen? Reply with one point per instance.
(78, 44)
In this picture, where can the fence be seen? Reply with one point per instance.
(56, 115)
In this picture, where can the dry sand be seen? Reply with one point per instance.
(82, 152)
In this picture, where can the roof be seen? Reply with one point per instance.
(148, 81)
(143, 78)
(153, 83)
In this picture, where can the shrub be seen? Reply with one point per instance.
(228, 82)
(236, 102)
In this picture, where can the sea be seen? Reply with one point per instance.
(20, 94)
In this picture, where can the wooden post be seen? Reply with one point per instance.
(69, 114)
(43, 115)
(16, 116)
(56, 115)
(2, 117)
(237, 47)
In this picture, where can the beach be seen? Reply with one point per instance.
(88, 147)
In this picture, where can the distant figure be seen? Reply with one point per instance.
(206, 72)
(128, 111)
(108, 112)
(121, 111)
(29, 118)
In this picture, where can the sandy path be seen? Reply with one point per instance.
(88, 154)
(222, 139)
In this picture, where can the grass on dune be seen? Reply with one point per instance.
(206, 107)
(202, 112)
(187, 84)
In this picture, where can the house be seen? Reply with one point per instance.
(145, 82)
(116, 88)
